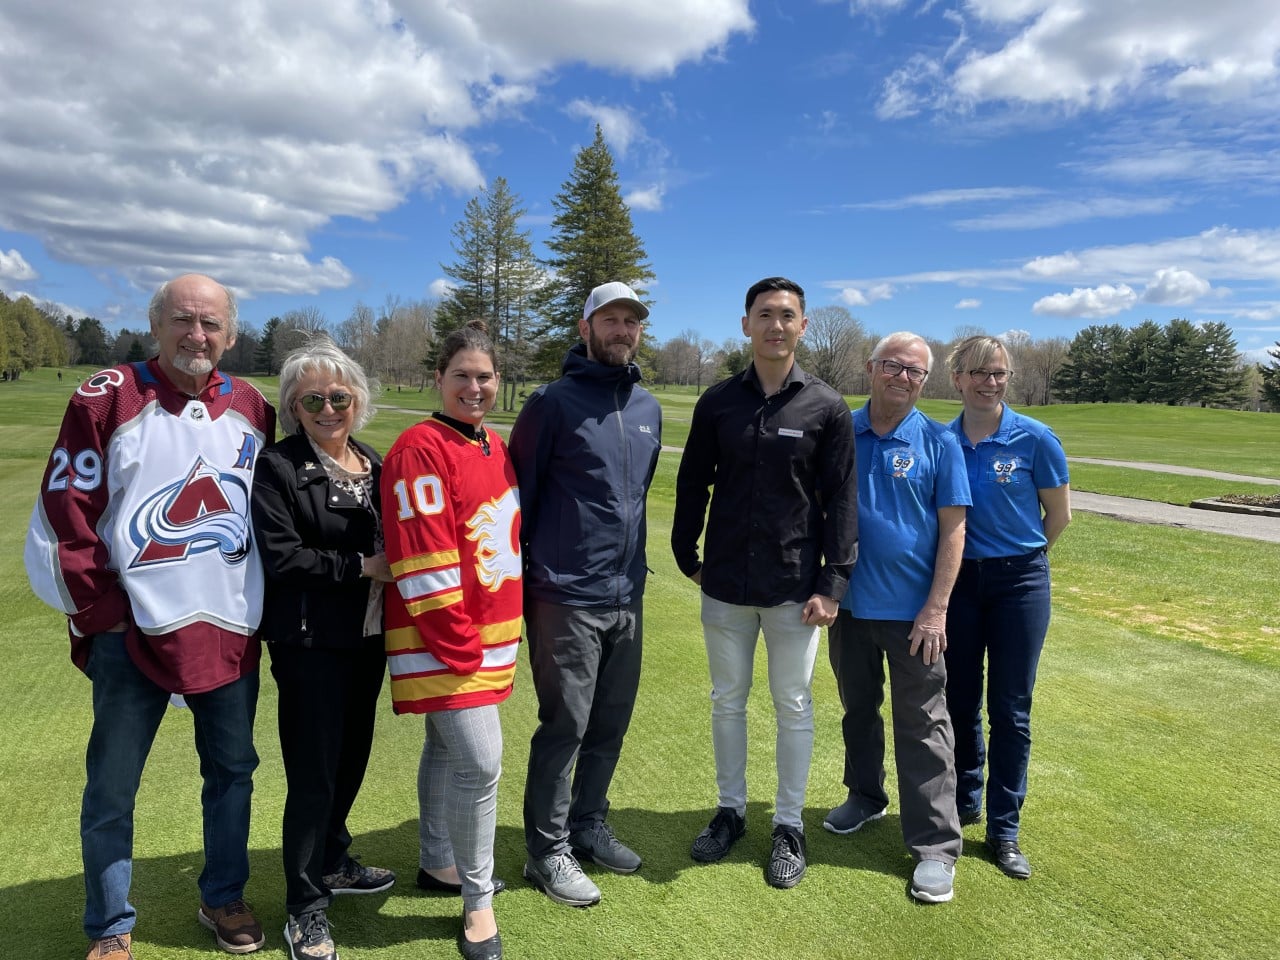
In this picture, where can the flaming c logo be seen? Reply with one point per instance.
(493, 530)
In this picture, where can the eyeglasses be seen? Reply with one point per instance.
(314, 402)
(982, 376)
(893, 368)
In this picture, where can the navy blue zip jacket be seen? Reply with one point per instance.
(585, 447)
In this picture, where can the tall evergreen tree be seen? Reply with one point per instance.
(1180, 361)
(1271, 378)
(594, 241)
(1142, 367)
(265, 357)
(472, 244)
(1221, 379)
(1093, 371)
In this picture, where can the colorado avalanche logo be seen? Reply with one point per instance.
(1004, 470)
(206, 510)
(902, 461)
(493, 530)
(101, 383)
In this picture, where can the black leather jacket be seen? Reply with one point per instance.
(311, 536)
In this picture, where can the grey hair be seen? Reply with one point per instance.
(902, 338)
(155, 310)
(976, 352)
(321, 355)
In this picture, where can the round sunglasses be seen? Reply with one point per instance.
(314, 402)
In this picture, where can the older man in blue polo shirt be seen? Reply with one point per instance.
(912, 495)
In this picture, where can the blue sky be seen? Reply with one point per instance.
(1026, 165)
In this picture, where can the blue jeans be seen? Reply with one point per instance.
(999, 613)
(127, 710)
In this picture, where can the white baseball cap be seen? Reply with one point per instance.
(612, 292)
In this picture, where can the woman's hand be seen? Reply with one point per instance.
(377, 568)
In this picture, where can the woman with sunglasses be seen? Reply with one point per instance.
(452, 517)
(317, 524)
(999, 611)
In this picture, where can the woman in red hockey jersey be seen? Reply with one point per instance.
(451, 517)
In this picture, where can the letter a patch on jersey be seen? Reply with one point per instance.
(206, 510)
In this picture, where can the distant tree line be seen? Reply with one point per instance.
(532, 307)
(1179, 363)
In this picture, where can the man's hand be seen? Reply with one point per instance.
(929, 635)
(819, 611)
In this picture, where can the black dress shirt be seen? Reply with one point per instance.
(783, 523)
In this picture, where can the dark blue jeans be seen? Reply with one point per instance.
(998, 617)
(127, 710)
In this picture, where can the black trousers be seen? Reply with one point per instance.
(328, 700)
(586, 671)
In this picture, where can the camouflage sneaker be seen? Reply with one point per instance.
(115, 947)
(235, 926)
(357, 878)
(307, 937)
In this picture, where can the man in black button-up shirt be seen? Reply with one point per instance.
(776, 444)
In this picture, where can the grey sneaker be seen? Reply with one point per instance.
(307, 937)
(355, 877)
(561, 879)
(851, 816)
(597, 844)
(933, 881)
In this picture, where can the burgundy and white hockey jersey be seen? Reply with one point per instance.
(143, 517)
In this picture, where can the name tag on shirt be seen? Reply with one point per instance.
(788, 432)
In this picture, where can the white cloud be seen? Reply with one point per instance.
(440, 287)
(855, 297)
(13, 266)
(968, 303)
(1057, 213)
(649, 198)
(1080, 54)
(946, 198)
(618, 125)
(1092, 303)
(1176, 287)
(220, 135)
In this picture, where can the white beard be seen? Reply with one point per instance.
(195, 366)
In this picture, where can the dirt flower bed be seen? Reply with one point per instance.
(1251, 500)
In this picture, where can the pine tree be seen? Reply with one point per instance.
(496, 276)
(1220, 379)
(265, 357)
(594, 241)
(1271, 378)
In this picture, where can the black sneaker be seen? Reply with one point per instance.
(357, 878)
(713, 843)
(786, 862)
(307, 937)
(969, 817)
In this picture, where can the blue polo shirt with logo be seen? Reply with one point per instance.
(904, 477)
(1006, 471)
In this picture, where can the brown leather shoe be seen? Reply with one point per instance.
(116, 947)
(235, 926)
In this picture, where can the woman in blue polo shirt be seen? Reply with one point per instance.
(999, 611)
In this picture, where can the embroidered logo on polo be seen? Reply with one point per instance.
(901, 462)
(1003, 469)
(206, 510)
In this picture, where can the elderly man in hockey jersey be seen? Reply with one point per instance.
(141, 537)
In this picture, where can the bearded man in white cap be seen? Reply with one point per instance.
(585, 447)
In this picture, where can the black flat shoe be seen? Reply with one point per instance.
(429, 883)
(490, 949)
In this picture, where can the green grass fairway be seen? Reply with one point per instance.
(1152, 807)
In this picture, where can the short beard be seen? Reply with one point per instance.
(611, 355)
(194, 366)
